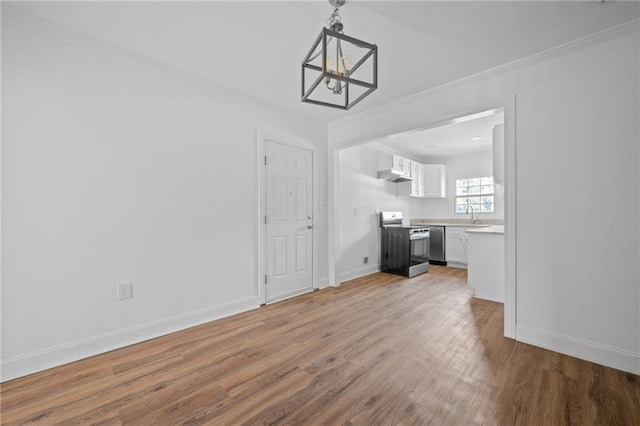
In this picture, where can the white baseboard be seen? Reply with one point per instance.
(580, 348)
(360, 272)
(33, 362)
(323, 283)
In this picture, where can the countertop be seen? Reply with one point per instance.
(463, 223)
(495, 229)
(459, 225)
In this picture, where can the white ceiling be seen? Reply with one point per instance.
(257, 47)
(456, 137)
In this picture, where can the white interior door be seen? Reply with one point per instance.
(289, 220)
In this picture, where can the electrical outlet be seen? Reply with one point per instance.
(366, 259)
(124, 291)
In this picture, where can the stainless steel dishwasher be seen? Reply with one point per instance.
(436, 245)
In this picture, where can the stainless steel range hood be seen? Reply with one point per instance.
(393, 175)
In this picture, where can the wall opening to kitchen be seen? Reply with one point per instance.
(454, 154)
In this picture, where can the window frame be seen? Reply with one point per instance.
(492, 194)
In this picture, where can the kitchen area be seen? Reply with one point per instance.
(435, 193)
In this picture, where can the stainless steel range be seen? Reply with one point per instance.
(405, 249)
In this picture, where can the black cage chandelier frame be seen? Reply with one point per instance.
(341, 79)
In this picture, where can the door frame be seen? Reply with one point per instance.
(262, 138)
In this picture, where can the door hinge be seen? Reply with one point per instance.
(265, 279)
(265, 160)
(265, 219)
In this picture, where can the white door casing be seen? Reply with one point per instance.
(288, 226)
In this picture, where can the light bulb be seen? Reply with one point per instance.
(329, 64)
(346, 64)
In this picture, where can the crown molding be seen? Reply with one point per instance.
(562, 49)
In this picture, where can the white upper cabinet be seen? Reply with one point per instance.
(498, 154)
(420, 180)
(434, 181)
(429, 180)
(401, 163)
(417, 184)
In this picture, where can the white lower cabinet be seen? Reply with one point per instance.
(486, 266)
(457, 243)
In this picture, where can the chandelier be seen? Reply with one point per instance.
(341, 70)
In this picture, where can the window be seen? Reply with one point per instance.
(476, 194)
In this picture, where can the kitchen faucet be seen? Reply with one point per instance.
(467, 212)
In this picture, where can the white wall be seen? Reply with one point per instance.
(115, 169)
(362, 193)
(578, 141)
(576, 217)
(461, 166)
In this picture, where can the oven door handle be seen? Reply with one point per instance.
(418, 237)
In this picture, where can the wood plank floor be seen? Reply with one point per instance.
(378, 350)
